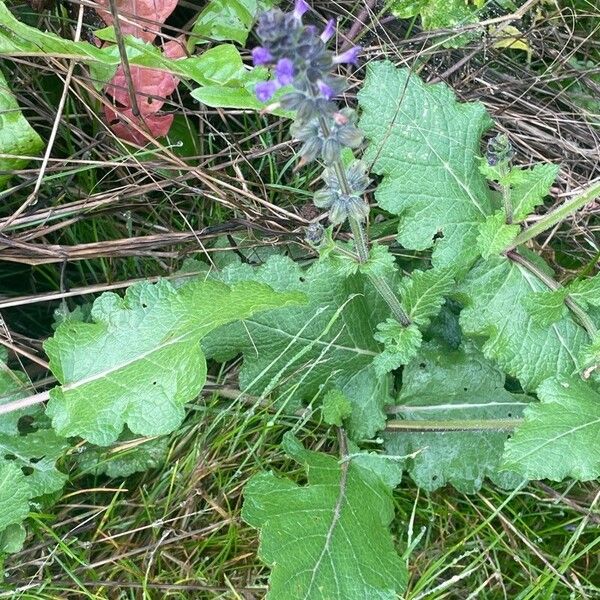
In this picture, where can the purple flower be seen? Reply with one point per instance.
(265, 90)
(326, 91)
(329, 31)
(350, 56)
(261, 56)
(284, 71)
(300, 8)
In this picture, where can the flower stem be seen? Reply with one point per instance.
(361, 242)
(556, 216)
(575, 308)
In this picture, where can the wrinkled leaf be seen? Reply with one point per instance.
(27, 461)
(444, 385)
(441, 14)
(127, 458)
(328, 539)
(296, 354)
(424, 143)
(559, 437)
(140, 18)
(141, 359)
(494, 293)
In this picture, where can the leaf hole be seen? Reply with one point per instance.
(144, 305)
(422, 365)
(27, 470)
(10, 457)
(302, 279)
(434, 478)
(509, 415)
(154, 382)
(465, 389)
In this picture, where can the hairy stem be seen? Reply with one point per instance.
(454, 425)
(361, 241)
(550, 219)
(575, 308)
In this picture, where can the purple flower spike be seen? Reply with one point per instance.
(284, 71)
(261, 56)
(325, 90)
(350, 56)
(300, 8)
(265, 90)
(329, 31)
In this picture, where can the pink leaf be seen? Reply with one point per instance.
(158, 125)
(140, 18)
(152, 87)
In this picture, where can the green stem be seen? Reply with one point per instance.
(361, 242)
(575, 308)
(507, 196)
(454, 425)
(550, 219)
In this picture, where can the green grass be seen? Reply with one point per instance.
(175, 531)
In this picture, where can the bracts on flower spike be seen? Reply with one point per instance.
(301, 62)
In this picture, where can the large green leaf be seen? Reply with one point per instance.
(329, 539)
(17, 137)
(561, 435)
(299, 353)
(444, 385)
(494, 293)
(141, 361)
(425, 144)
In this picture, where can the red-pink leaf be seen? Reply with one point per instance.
(157, 125)
(141, 18)
(152, 87)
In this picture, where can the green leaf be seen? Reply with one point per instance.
(221, 65)
(14, 495)
(494, 293)
(585, 291)
(422, 296)
(495, 235)
(401, 344)
(227, 20)
(140, 361)
(17, 137)
(546, 307)
(336, 407)
(298, 353)
(446, 385)
(425, 144)
(12, 539)
(129, 457)
(532, 186)
(36, 455)
(560, 435)
(423, 293)
(27, 461)
(328, 539)
(440, 14)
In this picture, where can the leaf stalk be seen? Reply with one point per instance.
(554, 217)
